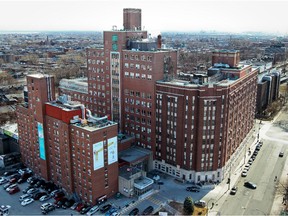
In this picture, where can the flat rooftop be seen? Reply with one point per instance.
(93, 126)
(216, 79)
(39, 75)
(90, 123)
(134, 154)
(142, 182)
(127, 172)
(78, 84)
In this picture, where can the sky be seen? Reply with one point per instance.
(157, 15)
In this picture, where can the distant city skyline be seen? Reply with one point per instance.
(157, 16)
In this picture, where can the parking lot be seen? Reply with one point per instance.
(30, 209)
(161, 195)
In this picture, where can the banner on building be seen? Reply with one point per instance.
(41, 140)
(98, 155)
(112, 150)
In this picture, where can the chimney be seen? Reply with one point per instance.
(131, 19)
(159, 41)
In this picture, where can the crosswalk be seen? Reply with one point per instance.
(154, 200)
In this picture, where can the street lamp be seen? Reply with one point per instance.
(211, 207)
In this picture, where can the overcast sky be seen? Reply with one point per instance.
(157, 15)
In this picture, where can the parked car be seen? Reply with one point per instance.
(244, 173)
(27, 188)
(39, 183)
(200, 203)
(21, 180)
(74, 205)
(8, 173)
(148, 210)
(69, 203)
(49, 187)
(111, 211)
(85, 209)
(48, 209)
(54, 192)
(11, 187)
(79, 207)
(61, 202)
(233, 191)
(13, 180)
(16, 175)
(44, 198)
(7, 185)
(34, 181)
(44, 206)
(3, 180)
(59, 194)
(26, 175)
(31, 179)
(24, 170)
(250, 185)
(27, 201)
(93, 210)
(32, 191)
(36, 196)
(250, 161)
(281, 154)
(135, 211)
(25, 196)
(105, 208)
(14, 190)
(160, 183)
(193, 189)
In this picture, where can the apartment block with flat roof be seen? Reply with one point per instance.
(199, 127)
(72, 148)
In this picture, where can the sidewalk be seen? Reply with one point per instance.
(278, 205)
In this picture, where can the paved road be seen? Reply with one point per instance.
(267, 165)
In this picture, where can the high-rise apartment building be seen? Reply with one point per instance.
(200, 124)
(31, 119)
(62, 142)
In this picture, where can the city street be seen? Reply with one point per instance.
(267, 165)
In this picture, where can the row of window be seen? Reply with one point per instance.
(95, 53)
(98, 62)
(137, 94)
(133, 75)
(137, 57)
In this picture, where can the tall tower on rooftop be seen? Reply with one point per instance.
(132, 19)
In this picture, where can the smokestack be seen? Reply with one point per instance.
(131, 19)
(159, 41)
